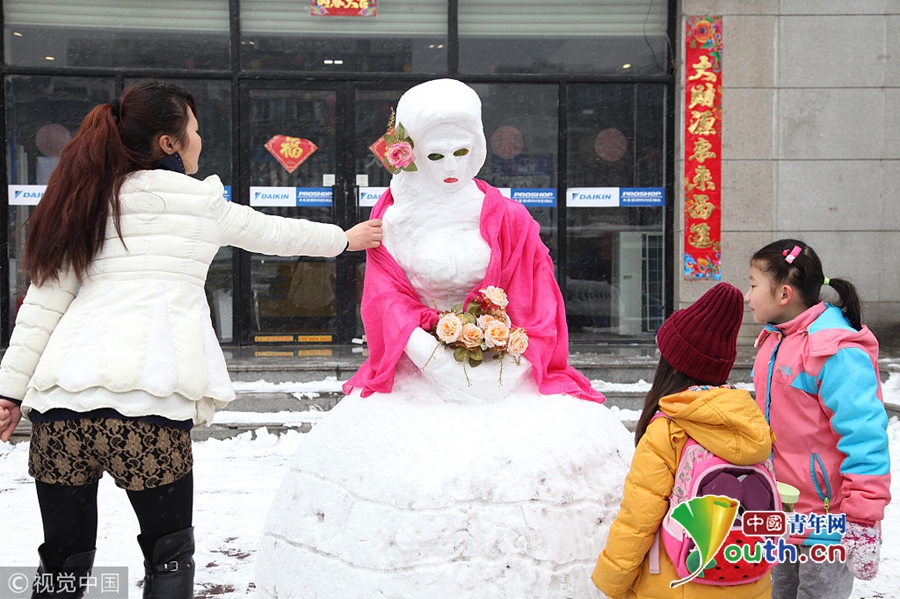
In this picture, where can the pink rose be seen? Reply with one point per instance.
(400, 154)
(495, 296)
(517, 343)
(496, 334)
(449, 328)
(471, 336)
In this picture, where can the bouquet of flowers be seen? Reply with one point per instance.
(482, 328)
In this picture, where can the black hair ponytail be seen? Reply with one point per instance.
(804, 273)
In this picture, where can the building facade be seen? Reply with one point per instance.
(811, 116)
(583, 105)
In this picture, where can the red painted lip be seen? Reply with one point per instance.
(451, 180)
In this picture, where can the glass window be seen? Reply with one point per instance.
(293, 178)
(614, 268)
(577, 36)
(42, 114)
(118, 33)
(406, 36)
(521, 126)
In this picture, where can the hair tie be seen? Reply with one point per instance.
(789, 258)
(826, 282)
(115, 108)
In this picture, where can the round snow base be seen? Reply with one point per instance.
(390, 497)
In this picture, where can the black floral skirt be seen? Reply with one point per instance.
(138, 455)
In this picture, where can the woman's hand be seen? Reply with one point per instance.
(365, 235)
(10, 414)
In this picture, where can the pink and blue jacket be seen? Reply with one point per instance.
(817, 382)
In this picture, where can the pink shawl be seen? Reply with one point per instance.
(520, 264)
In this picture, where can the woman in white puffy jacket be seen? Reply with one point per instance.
(113, 378)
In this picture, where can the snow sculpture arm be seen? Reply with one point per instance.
(491, 381)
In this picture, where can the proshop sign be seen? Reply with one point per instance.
(290, 196)
(615, 197)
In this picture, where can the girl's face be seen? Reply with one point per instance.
(190, 149)
(768, 302)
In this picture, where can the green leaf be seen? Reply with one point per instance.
(476, 355)
(473, 308)
(467, 318)
(460, 354)
(474, 363)
(412, 167)
(401, 131)
(457, 308)
(390, 139)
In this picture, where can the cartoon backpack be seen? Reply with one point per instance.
(702, 473)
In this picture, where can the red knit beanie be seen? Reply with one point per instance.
(701, 340)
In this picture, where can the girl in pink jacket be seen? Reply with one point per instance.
(817, 382)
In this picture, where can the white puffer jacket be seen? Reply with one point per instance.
(140, 321)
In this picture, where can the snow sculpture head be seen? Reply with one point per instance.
(443, 118)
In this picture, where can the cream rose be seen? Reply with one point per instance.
(495, 296)
(449, 328)
(484, 320)
(517, 343)
(471, 336)
(496, 334)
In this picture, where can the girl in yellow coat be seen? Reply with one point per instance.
(698, 347)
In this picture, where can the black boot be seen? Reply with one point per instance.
(64, 582)
(169, 566)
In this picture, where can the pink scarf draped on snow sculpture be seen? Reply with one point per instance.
(520, 264)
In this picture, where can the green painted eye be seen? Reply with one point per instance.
(435, 156)
(461, 152)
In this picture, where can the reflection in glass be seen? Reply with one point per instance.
(99, 33)
(292, 294)
(407, 36)
(577, 36)
(42, 113)
(521, 125)
(614, 266)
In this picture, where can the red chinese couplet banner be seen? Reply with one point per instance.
(703, 148)
(342, 8)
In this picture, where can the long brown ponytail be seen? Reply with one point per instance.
(68, 227)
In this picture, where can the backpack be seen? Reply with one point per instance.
(699, 473)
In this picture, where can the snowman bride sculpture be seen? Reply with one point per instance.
(434, 478)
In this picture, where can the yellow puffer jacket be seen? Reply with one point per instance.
(728, 423)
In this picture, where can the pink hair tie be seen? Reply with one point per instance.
(789, 258)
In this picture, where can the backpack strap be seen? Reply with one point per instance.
(654, 554)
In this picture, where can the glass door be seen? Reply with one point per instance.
(291, 133)
(614, 218)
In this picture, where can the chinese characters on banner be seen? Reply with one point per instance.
(342, 8)
(703, 148)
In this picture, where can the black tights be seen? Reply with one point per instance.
(69, 515)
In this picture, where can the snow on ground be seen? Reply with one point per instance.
(235, 481)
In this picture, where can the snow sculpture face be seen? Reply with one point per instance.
(443, 118)
(445, 158)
